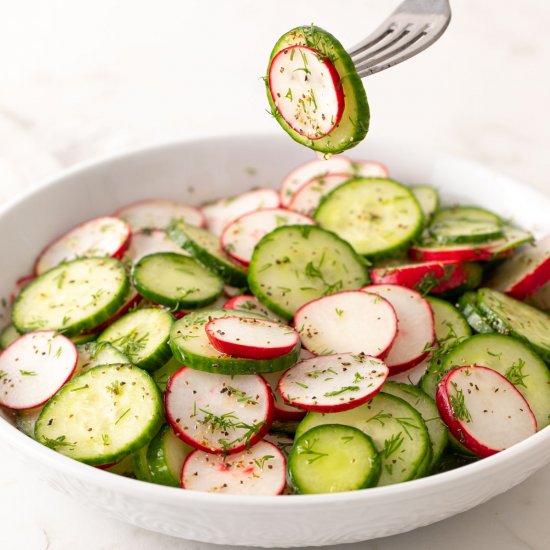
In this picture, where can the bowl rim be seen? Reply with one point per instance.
(132, 487)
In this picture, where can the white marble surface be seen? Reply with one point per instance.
(80, 79)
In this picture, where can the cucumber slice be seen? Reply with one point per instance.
(465, 224)
(427, 408)
(92, 354)
(141, 466)
(73, 297)
(474, 317)
(123, 468)
(428, 199)
(515, 361)
(378, 217)
(190, 346)
(142, 336)
(354, 119)
(165, 456)
(450, 325)
(397, 430)
(332, 458)
(294, 265)
(205, 247)
(26, 420)
(8, 335)
(102, 415)
(162, 376)
(176, 281)
(512, 317)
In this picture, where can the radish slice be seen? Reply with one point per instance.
(332, 383)
(258, 471)
(307, 198)
(217, 413)
(247, 302)
(306, 90)
(483, 410)
(150, 242)
(241, 236)
(34, 367)
(106, 236)
(321, 168)
(415, 319)
(433, 277)
(232, 291)
(158, 214)
(347, 322)
(283, 412)
(251, 338)
(220, 213)
(309, 170)
(525, 273)
(414, 375)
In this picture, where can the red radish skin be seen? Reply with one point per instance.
(351, 321)
(34, 367)
(158, 214)
(336, 164)
(308, 196)
(306, 90)
(251, 338)
(415, 334)
(258, 471)
(332, 383)
(248, 302)
(220, 213)
(483, 410)
(460, 253)
(309, 170)
(284, 412)
(106, 236)
(217, 413)
(447, 275)
(241, 236)
(525, 273)
(151, 241)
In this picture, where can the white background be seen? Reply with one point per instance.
(81, 78)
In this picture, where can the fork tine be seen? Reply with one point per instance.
(408, 44)
(411, 28)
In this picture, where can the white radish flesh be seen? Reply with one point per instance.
(251, 338)
(218, 413)
(307, 198)
(331, 383)
(483, 410)
(34, 367)
(412, 376)
(248, 302)
(525, 273)
(306, 90)
(150, 242)
(310, 170)
(347, 322)
(106, 236)
(220, 213)
(415, 333)
(159, 214)
(242, 235)
(284, 412)
(258, 471)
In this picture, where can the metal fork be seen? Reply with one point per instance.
(411, 28)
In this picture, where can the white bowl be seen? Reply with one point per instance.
(199, 170)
